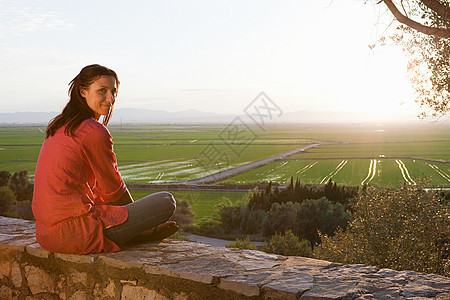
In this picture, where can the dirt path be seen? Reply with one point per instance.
(213, 241)
(244, 168)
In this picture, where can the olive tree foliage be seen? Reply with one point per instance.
(402, 229)
(7, 201)
(424, 35)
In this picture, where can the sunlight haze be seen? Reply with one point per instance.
(212, 56)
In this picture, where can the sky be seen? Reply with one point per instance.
(213, 56)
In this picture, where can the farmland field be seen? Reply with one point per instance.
(203, 202)
(381, 172)
(375, 154)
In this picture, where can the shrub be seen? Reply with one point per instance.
(319, 215)
(402, 229)
(23, 210)
(184, 215)
(281, 217)
(21, 186)
(7, 201)
(242, 244)
(306, 219)
(4, 178)
(288, 244)
(208, 227)
(239, 219)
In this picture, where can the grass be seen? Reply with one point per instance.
(203, 202)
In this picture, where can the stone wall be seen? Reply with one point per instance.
(186, 270)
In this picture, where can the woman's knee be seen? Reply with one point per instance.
(169, 201)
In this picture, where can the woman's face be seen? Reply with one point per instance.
(100, 95)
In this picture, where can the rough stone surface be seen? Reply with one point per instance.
(5, 292)
(16, 275)
(78, 295)
(38, 280)
(290, 287)
(36, 250)
(103, 290)
(82, 259)
(185, 270)
(140, 293)
(79, 277)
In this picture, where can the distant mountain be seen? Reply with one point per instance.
(125, 116)
(27, 117)
(135, 115)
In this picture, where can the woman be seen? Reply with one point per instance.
(80, 202)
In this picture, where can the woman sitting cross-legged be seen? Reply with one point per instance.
(80, 202)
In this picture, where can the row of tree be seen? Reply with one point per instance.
(298, 192)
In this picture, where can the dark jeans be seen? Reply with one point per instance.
(143, 214)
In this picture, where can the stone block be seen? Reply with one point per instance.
(130, 282)
(117, 261)
(332, 289)
(245, 284)
(179, 296)
(138, 257)
(412, 290)
(78, 295)
(140, 293)
(233, 257)
(16, 275)
(80, 259)
(202, 278)
(259, 255)
(250, 265)
(203, 269)
(36, 250)
(239, 287)
(288, 287)
(38, 280)
(4, 238)
(79, 277)
(306, 262)
(6, 292)
(5, 266)
(103, 291)
(208, 251)
(389, 293)
(443, 296)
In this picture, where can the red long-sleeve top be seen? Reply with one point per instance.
(74, 180)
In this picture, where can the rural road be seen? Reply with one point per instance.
(213, 241)
(234, 171)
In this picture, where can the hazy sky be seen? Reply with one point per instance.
(206, 55)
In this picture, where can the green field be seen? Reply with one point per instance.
(203, 202)
(349, 171)
(158, 154)
(437, 149)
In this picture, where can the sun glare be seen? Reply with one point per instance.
(388, 83)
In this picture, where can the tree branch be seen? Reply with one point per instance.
(439, 8)
(440, 32)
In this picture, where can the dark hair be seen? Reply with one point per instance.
(77, 110)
